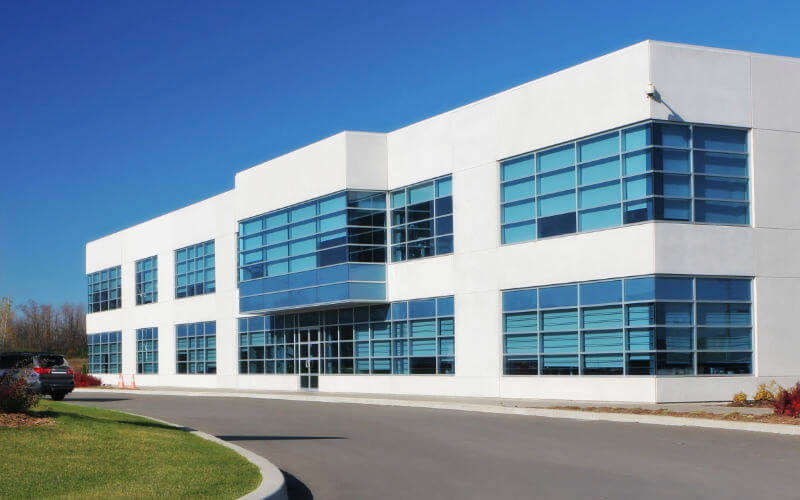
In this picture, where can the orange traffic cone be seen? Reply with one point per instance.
(133, 381)
(120, 382)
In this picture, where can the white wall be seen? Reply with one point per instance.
(694, 84)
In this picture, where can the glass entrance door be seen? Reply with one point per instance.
(308, 356)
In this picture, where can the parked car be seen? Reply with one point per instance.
(47, 373)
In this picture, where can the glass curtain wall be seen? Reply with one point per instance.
(325, 250)
(651, 325)
(409, 337)
(651, 171)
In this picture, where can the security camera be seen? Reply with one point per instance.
(651, 91)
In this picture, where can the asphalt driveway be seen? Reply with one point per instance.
(349, 451)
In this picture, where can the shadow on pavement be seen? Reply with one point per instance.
(96, 400)
(296, 489)
(276, 438)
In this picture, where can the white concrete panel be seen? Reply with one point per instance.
(595, 388)
(722, 388)
(702, 85)
(591, 97)
(776, 176)
(776, 253)
(775, 84)
(366, 160)
(776, 337)
(704, 249)
(307, 173)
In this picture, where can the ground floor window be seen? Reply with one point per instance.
(147, 350)
(196, 347)
(645, 325)
(415, 337)
(105, 352)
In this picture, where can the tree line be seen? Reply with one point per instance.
(42, 327)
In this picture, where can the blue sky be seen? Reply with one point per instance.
(112, 113)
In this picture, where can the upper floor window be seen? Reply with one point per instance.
(652, 171)
(194, 270)
(147, 280)
(104, 289)
(344, 227)
(422, 219)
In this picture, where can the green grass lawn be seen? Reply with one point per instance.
(96, 453)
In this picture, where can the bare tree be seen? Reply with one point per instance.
(41, 327)
(6, 320)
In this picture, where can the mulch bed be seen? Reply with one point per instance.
(735, 416)
(751, 404)
(24, 420)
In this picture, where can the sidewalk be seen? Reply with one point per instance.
(600, 410)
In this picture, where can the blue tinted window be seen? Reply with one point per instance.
(651, 177)
(640, 288)
(722, 212)
(665, 134)
(421, 346)
(516, 168)
(318, 235)
(720, 163)
(601, 292)
(599, 147)
(444, 306)
(194, 270)
(422, 308)
(723, 289)
(636, 137)
(599, 218)
(520, 300)
(556, 158)
(721, 139)
(660, 332)
(104, 290)
(558, 296)
(415, 225)
(674, 288)
(720, 187)
(105, 352)
(522, 231)
(518, 211)
(599, 194)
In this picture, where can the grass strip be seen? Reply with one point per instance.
(98, 453)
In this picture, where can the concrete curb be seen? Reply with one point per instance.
(790, 430)
(273, 484)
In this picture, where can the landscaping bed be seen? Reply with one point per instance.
(732, 416)
(60, 450)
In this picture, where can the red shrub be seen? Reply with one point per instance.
(16, 395)
(787, 402)
(85, 380)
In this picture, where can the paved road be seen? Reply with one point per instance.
(346, 451)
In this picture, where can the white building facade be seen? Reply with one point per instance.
(620, 230)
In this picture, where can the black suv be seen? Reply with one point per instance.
(47, 373)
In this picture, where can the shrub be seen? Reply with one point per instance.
(787, 402)
(740, 398)
(767, 392)
(86, 380)
(16, 395)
